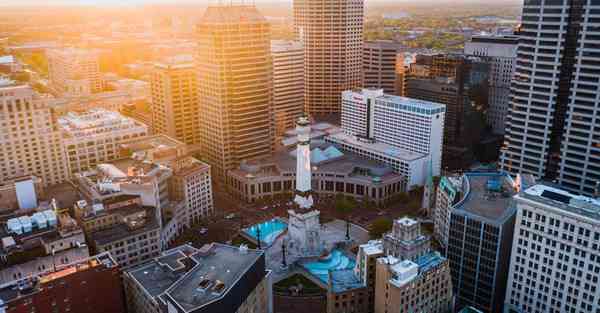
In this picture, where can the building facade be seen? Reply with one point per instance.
(379, 65)
(554, 265)
(175, 107)
(74, 71)
(234, 67)
(501, 53)
(94, 137)
(288, 84)
(480, 236)
(551, 129)
(413, 125)
(332, 34)
(31, 143)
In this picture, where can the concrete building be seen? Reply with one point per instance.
(332, 34)
(31, 142)
(410, 277)
(235, 89)
(379, 65)
(94, 137)
(554, 261)
(501, 54)
(215, 278)
(74, 71)
(480, 229)
(175, 107)
(413, 125)
(366, 262)
(288, 84)
(89, 285)
(551, 127)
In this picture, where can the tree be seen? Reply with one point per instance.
(379, 227)
(343, 206)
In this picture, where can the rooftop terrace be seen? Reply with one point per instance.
(487, 195)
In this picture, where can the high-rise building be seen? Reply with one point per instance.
(74, 71)
(552, 131)
(235, 88)
(215, 278)
(410, 124)
(31, 141)
(94, 137)
(332, 34)
(90, 285)
(288, 84)
(501, 53)
(379, 65)
(480, 233)
(554, 264)
(411, 277)
(459, 82)
(175, 107)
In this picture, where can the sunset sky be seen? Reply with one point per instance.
(137, 2)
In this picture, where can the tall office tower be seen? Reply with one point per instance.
(74, 71)
(31, 142)
(501, 53)
(288, 84)
(234, 68)
(459, 82)
(552, 131)
(379, 65)
(410, 124)
(554, 265)
(480, 233)
(332, 34)
(93, 137)
(175, 108)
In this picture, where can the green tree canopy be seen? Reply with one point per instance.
(379, 227)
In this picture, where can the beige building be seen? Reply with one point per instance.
(288, 84)
(175, 109)
(215, 278)
(235, 88)
(74, 71)
(94, 137)
(332, 34)
(30, 139)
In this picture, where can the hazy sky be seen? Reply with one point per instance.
(136, 2)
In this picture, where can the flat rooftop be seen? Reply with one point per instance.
(122, 230)
(580, 205)
(382, 148)
(409, 104)
(487, 195)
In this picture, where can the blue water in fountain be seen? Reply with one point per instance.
(269, 231)
(336, 260)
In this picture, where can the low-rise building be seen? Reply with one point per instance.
(91, 285)
(215, 278)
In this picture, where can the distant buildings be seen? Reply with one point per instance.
(460, 83)
(416, 279)
(552, 130)
(31, 139)
(379, 65)
(475, 218)
(409, 124)
(94, 137)
(74, 71)
(501, 53)
(288, 84)
(175, 107)
(332, 34)
(554, 264)
(234, 68)
(215, 278)
(89, 285)
(9, 64)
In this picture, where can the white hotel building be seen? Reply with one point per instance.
(555, 259)
(413, 125)
(94, 137)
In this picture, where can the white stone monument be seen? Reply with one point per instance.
(304, 225)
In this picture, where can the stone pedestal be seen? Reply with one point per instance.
(303, 232)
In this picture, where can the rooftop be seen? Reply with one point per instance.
(487, 195)
(412, 105)
(345, 280)
(580, 205)
(382, 148)
(144, 222)
(285, 45)
(97, 122)
(231, 14)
